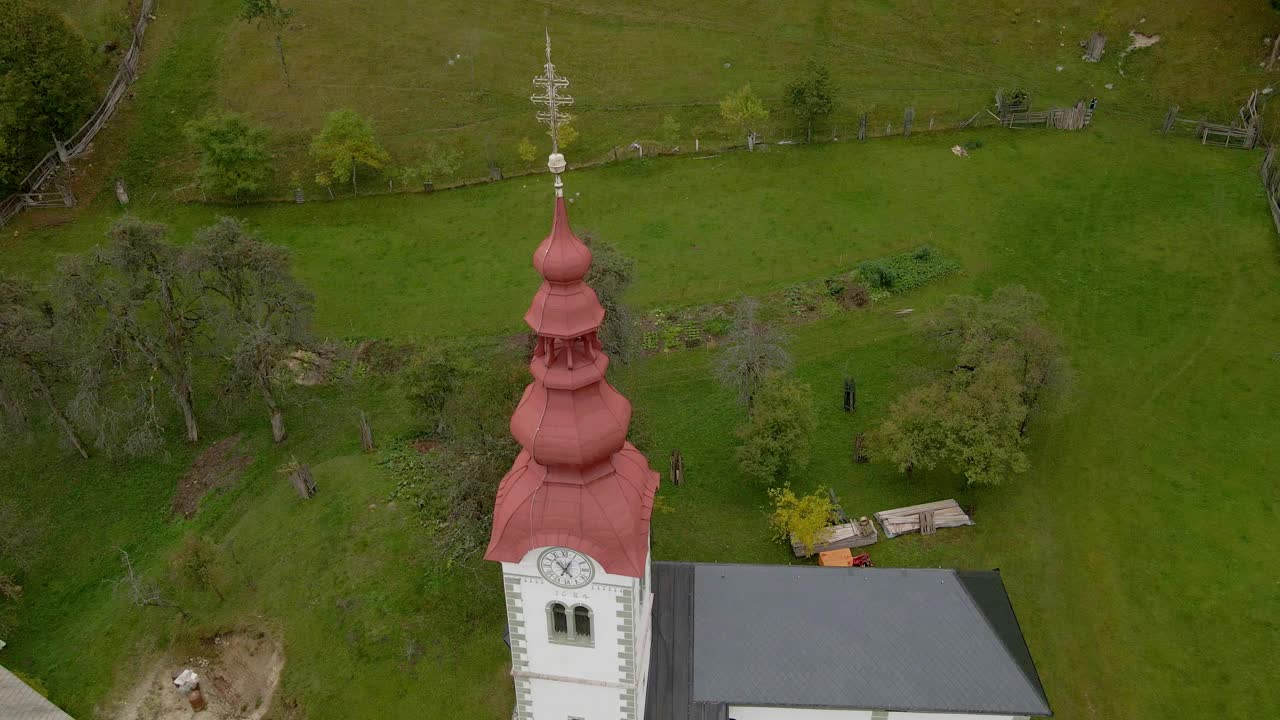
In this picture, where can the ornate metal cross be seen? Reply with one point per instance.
(551, 96)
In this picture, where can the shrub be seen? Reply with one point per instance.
(234, 162)
(718, 325)
(925, 253)
(834, 286)
(802, 516)
(878, 274)
(776, 438)
(802, 298)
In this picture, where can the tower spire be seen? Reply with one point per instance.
(553, 116)
(577, 482)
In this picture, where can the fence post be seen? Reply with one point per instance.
(1170, 119)
(62, 149)
(862, 127)
(908, 117)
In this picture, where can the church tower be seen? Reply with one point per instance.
(571, 518)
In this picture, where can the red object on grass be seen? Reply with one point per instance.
(577, 483)
(863, 560)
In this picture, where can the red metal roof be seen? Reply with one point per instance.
(577, 483)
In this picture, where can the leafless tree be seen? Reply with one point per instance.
(143, 593)
(34, 358)
(753, 349)
(258, 311)
(145, 304)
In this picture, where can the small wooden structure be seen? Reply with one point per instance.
(302, 480)
(860, 449)
(1094, 46)
(850, 394)
(1017, 102)
(677, 468)
(366, 434)
(846, 535)
(925, 519)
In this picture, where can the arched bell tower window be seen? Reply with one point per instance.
(569, 625)
(582, 622)
(559, 620)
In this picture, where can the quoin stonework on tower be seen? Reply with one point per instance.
(571, 517)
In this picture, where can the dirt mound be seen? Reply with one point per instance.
(216, 467)
(239, 673)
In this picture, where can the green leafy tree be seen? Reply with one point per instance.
(1007, 330)
(428, 384)
(744, 112)
(344, 144)
(234, 162)
(810, 96)
(46, 83)
(753, 349)
(775, 439)
(526, 150)
(611, 274)
(568, 135)
(974, 417)
(272, 14)
(259, 312)
(440, 162)
(803, 517)
(472, 398)
(670, 130)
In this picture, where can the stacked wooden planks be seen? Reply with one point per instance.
(846, 535)
(941, 514)
(1094, 47)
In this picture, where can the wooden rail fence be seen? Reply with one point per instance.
(1271, 181)
(30, 191)
(1242, 133)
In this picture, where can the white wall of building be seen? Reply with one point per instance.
(593, 683)
(737, 712)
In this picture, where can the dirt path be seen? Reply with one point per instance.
(239, 673)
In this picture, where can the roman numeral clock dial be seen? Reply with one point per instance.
(565, 568)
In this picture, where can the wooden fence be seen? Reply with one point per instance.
(1242, 133)
(1271, 181)
(30, 192)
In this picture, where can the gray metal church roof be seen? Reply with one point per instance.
(880, 639)
(20, 702)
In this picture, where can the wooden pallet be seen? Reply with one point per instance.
(836, 537)
(926, 518)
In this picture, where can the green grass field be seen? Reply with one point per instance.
(1136, 550)
(459, 74)
(1138, 534)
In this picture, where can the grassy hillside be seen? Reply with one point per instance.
(1113, 546)
(458, 73)
(1136, 550)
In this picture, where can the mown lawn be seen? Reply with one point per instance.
(1136, 550)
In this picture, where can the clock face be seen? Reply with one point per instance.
(565, 568)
